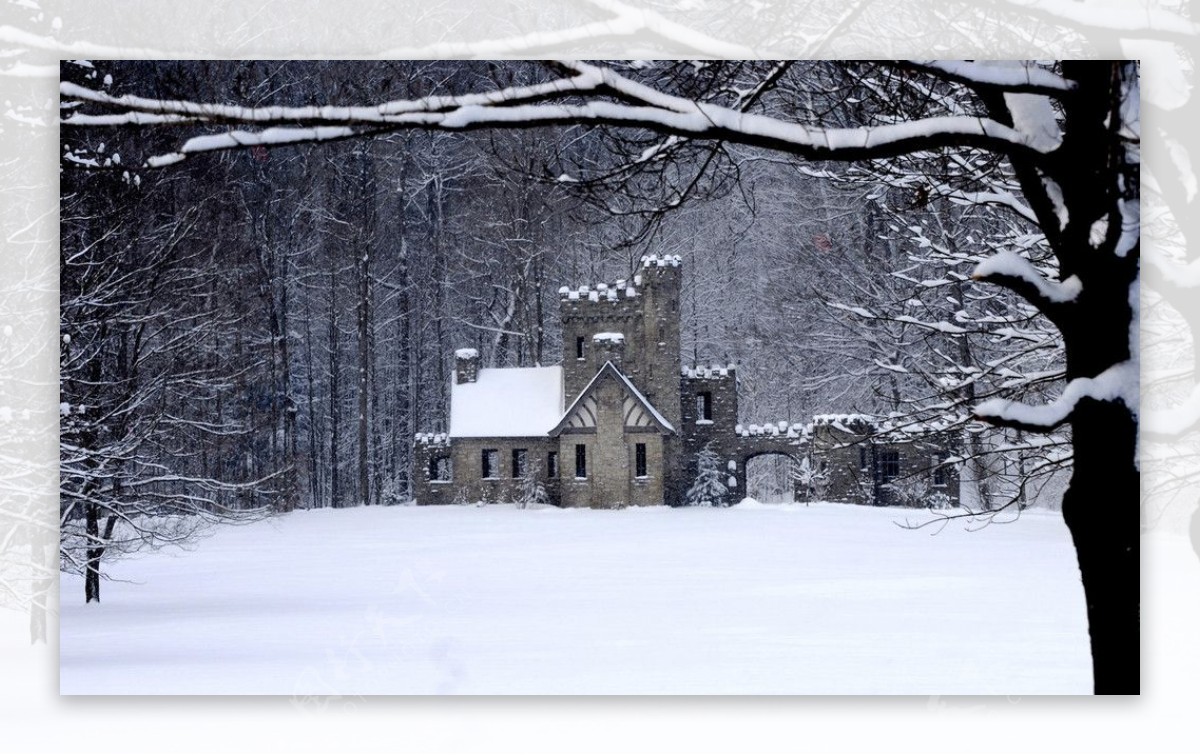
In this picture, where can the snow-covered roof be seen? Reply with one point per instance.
(514, 402)
(466, 353)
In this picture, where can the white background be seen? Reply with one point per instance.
(34, 34)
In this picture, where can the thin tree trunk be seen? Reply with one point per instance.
(366, 197)
(91, 579)
(335, 419)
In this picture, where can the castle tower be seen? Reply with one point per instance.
(600, 323)
(660, 281)
(634, 324)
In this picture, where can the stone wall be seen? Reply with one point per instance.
(425, 489)
(467, 484)
(695, 431)
(856, 462)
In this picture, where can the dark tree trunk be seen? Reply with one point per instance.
(363, 315)
(1101, 509)
(335, 418)
(91, 578)
(95, 551)
(1102, 504)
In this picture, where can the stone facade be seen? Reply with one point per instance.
(863, 462)
(633, 421)
(611, 476)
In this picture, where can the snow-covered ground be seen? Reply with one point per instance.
(826, 599)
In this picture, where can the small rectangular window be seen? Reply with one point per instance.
(889, 464)
(579, 347)
(639, 460)
(552, 464)
(580, 461)
(519, 462)
(939, 471)
(862, 458)
(491, 464)
(704, 406)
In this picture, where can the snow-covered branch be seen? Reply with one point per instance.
(1115, 16)
(633, 104)
(1028, 79)
(1117, 383)
(1001, 198)
(1020, 276)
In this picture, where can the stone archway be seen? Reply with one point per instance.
(768, 476)
(737, 448)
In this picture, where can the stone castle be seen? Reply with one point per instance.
(621, 422)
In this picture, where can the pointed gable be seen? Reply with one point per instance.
(637, 411)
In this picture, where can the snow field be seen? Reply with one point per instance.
(757, 599)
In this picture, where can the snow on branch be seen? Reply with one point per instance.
(638, 105)
(1024, 78)
(1001, 198)
(386, 112)
(1134, 18)
(1018, 274)
(625, 22)
(272, 136)
(1174, 274)
(1118, 383)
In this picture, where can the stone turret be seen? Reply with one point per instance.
(661, 280)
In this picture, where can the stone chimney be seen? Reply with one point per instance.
(466, 366)
(608, 347)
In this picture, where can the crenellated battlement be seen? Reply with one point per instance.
(709, 372)
(783, 429)
(652, 261)
(432, 439)
(617, 291)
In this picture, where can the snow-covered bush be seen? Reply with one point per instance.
(812, 480)
(909, 491)
(938, 501)
(394, 493)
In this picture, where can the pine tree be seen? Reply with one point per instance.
(533, 493)
(708, 489)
